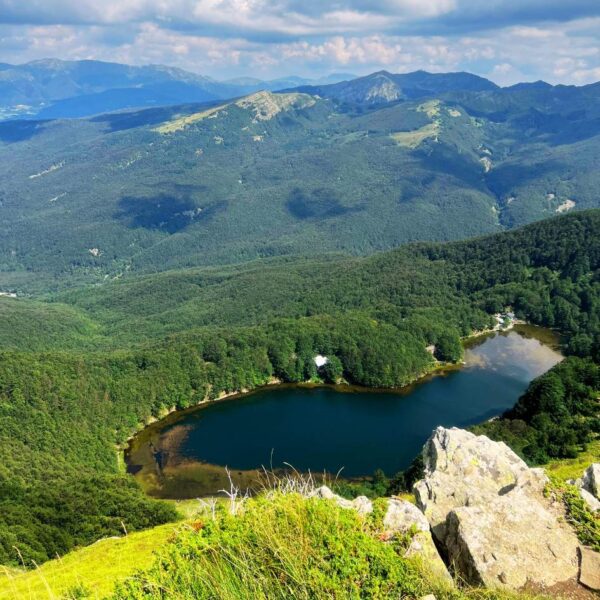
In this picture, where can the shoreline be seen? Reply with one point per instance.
(438, 369)
(158, 473)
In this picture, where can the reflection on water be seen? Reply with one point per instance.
(519, 354)
(321, 429)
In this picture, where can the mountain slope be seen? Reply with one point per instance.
(175, 339)
(291, 173)
(212, 184)
(54, 88)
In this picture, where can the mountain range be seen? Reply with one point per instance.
(54, 88)
(167, 240)
(353, 167)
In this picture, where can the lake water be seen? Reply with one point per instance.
(332, 429)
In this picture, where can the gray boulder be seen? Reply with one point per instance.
(589, 574)
(589, 486)
(591, 500)
(510, 541)
(591, 480)
(487, 508)
(462, 469)
(403, 518)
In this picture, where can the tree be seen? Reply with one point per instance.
(333, 370)
(448, 347)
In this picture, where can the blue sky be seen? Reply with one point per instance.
(505, 40)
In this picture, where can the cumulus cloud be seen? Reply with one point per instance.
(300, 17)
(505, 40)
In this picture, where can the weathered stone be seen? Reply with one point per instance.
(509, 541)
(361, 505)
(487, 509)
(405, 518)
(591, 480)
(589, 573)
(429, 597)
(462, 469)
(592, 502)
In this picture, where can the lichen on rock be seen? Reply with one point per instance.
(488, 511)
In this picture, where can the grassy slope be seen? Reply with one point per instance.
(95, 567)
(281, 547)
(573, 468)
(99, 566)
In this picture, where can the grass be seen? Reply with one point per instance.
(264, 104)
(585, 523)
(430, 108)
(411, 139)
(181, 123)
(94, 568)
(573, 468)
(284, 545)
(278, 545)
(190, 508)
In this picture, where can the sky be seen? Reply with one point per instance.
(505, 40)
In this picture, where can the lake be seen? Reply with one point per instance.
(334, 429)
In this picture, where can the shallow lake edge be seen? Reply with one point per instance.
(143, 434)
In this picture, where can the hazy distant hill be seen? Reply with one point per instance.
(54, 88)
(292, 173)
(382, 87)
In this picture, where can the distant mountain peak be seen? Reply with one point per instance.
(531, 85)
(266, 104)
(382, 86)
(385, 90)
(382, 73)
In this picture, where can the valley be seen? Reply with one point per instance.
(83, 370)
(90, 200)
(199, 274)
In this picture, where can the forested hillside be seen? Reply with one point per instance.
(352, 168)
(101, 360)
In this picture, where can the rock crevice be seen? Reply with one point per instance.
(488, 511)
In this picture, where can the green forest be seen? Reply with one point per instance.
(100, 360)
(94, 199)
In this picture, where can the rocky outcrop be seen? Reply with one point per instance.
(487, 509)
(403, 518)
(589, 573)
(511, 540)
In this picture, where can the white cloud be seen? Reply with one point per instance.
(224, 38)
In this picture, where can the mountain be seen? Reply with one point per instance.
(54, 88)
(288, 173)
(66, 88)
(382, 87)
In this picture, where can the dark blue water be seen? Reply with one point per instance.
(360, 431)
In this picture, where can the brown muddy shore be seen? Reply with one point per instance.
(160, 470)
